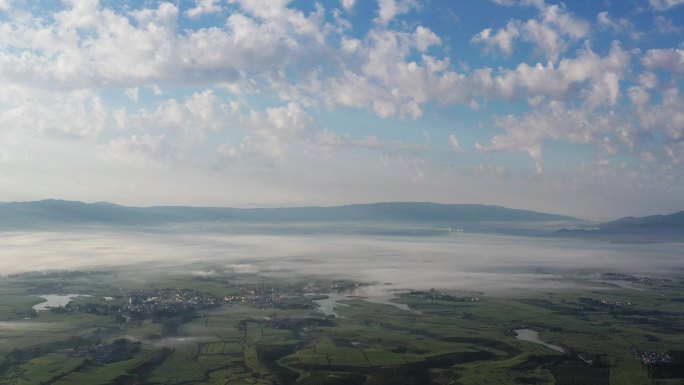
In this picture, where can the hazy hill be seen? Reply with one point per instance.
(53, 212)
(631, 229)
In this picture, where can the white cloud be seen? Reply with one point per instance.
(195, 82)
(227, 152)
(675, 152)
(617, 25)
(156, 90)
(425, 38)
(271, 133)
(502, 39)
(671, 59)
(453, 143)
(566, 23)
(599, 76)
(389, 9)
(261, 48)
(666, 116)
(665, 25)
(348, 5)
(550, 32)
(132, 93)
(144, 146)
(88, 45)
(528, 133)
(557, 24)
(285, 21)
(350, 44)
(663, 5)
(326, 142)
(648, 80)
(78, 114)
(203, 7)
(381, 76)
(190, 118)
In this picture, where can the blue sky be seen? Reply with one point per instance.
(573, 108)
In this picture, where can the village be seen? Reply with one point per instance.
(648, 358)
(268, 297)
(437, 295)
(142, 304)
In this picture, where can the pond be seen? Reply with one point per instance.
(55, 300)
(530, 335)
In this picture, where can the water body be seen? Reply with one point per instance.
(327, 306)
(55, 300)
(625, 284)
(530, 335)
(387, 300)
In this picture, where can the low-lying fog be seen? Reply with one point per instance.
(458, 260)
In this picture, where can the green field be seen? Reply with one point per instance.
(442, 341)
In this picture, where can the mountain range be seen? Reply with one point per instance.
(45, 212)
(632, 229)
(53, 213)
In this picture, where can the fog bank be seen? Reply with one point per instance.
(460, 261)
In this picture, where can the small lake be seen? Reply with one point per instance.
(327, 306)
(55, 300)
(530, 335)
(387, 300)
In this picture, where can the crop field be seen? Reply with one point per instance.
(443, 340)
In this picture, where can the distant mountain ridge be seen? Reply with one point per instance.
(46, 212)
(668, 227)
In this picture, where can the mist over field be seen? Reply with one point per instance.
(483, 262)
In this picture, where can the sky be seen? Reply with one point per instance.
(572, 108)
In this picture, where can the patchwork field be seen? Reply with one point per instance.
(443, 338)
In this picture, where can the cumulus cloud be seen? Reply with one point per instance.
(384, 79)
(348, 5)
(248, 89)
(453, 143)
(425, 38)
(173, 127)
(389, 9)
(528, 133)
(663, 5)
(617, 25)
(259, 44)
(665, 25)
(550, 32)
(671, 59)
(203, 7)
(132, 93)
(666, 117)
(78, 114)
(597, 77)
(675, 151)
(198, 113)
(502, 39)
(144, 146)
(269, 134)
(87, 45)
